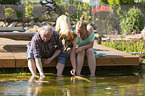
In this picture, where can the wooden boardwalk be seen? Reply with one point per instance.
(13, 55)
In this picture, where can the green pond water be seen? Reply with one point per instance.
(112, 84)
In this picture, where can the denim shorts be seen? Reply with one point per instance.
(61, 58)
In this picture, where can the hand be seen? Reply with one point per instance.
(78, 50)
(47, 61)
(73, 72)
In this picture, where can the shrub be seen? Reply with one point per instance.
(9, 12)
(28, 12)
(133, 21)
(19, 11)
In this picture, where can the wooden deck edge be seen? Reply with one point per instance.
(100, 61)
(7, 63)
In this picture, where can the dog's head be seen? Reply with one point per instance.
(69, 36)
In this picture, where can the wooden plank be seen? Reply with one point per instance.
(116, 61)
(19, 51)
(8, 48)
(7, 59)
(7, 62)
(114, 57)
(13, 54)
(17, 35)
(21, 59)
(10, 29)
(110, 51)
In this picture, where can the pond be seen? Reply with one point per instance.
(109, 84)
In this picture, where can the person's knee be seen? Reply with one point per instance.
(29, 54)
(82, 53)
(90, 51)
(30, 60)
(62, 58)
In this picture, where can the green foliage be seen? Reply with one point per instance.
(113, 3)
(122, 2)
(29, 2)
(45, 16)
(9, 12)
(28, 12)
(79, 9)
(78, 2)
(58, 1)
(133, 21)
(71, 1)
(115, 6)
(102, 2)
(19, 12)
(9, 1)
(126, 46)
(83, 9)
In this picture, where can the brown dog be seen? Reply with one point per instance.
(63, 26)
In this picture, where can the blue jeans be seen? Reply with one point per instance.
(61, 58)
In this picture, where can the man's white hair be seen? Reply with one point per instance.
(45, 29)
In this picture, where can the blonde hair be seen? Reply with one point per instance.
(45, 29)
(81, 24)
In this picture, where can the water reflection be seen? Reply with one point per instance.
(51, 85)
(141, 86)
(83, 86)
(34, 86)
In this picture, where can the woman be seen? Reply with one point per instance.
(85, 40)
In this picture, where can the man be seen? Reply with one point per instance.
(45, 44)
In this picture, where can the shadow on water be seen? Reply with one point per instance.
(109, 81)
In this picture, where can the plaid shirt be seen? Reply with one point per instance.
(43, 49)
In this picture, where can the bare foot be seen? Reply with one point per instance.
(80, 75)
(92, 75)
(35, 76)
(42, 75)
(59, 75)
